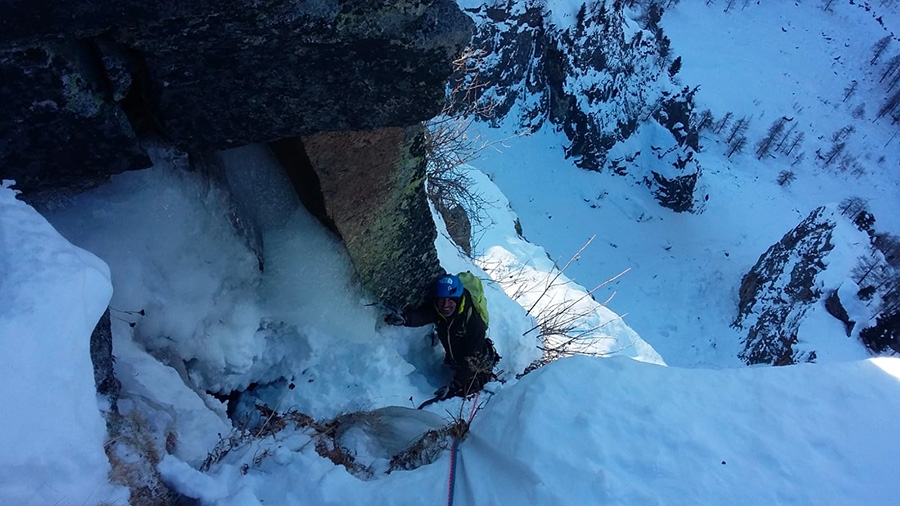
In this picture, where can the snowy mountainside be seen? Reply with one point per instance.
(592, 70)
(582, 429)
(794, 276)
(682, 293)
(619, 430)
(814, 68)
(813, 118)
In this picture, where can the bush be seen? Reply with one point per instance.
(134, 452)
(786, 177)
(884, 335)
(449, 145)
(560, 327)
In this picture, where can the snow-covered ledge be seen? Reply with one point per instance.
(51, 429)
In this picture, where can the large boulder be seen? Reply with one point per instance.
(59, 129)
(82, 89)
(370, 191)
(289, 68)
(80, 82)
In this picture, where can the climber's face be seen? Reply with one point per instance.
(446, 306)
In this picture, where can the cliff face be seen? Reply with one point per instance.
(79, 84)
(85, 87)
(597, 75)
(781, 288)
(594, 78)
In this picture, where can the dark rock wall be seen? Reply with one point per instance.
(835, 308)
(58, 126)
(593, 81)
(104, 362)
(79, 81)
(284, 69)
(84, 85)
(372, 184)
(675, 183)
(780, 288)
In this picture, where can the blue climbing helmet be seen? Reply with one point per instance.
(448, 286)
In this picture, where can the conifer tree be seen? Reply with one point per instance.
(891, 68)
(879, 48)
(889, 245)
(785, 177)
(836, 149)
(850, 89)
(765, 144)
(785, 137)
(885, 334)
(736, 145)
(675, 67)
(797, 140)
(842, 133)
(740, 126)
(890, 105)
(704, 120)
(723, 123)
(851, 206)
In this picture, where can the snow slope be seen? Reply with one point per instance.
(682, 290)
(582, 430)
(52, 432)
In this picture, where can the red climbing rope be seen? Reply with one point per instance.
(452, 479)
(474, 407)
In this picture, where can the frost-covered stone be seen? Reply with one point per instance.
(208, 76)
(779, 289)
(594, 78)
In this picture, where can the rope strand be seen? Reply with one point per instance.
(452, 479)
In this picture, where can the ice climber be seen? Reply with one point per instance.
(462, 331)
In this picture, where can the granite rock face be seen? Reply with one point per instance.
(79, 83)
(288, 68)
(104, 362)
(780, 289)
(57, 128)
(83, 89)
(371, 193)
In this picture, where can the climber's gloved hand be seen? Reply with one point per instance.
(455, 388)
(443, 393)
(395, 319)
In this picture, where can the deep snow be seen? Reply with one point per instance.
(581, 430)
